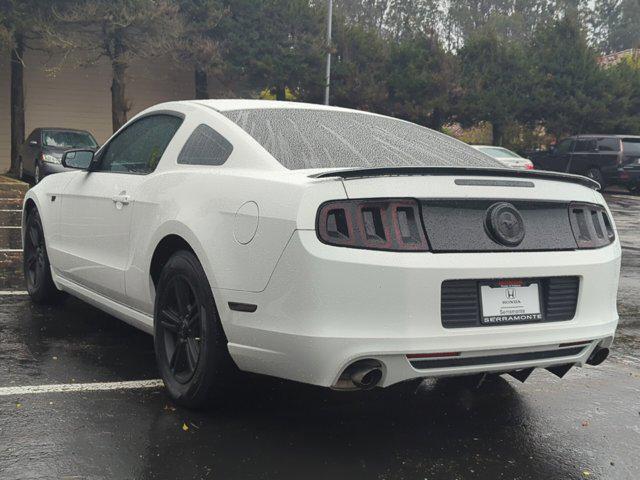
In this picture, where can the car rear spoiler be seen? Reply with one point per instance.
(463, 171)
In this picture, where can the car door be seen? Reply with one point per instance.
(559, 159)
(584, 154)
(608, 157)
(95, 219)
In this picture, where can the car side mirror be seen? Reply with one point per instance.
(553, 148)
(33, 143)
(78, 159)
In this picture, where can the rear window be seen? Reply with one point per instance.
(308, 138)
(67, 139)
(631, 146)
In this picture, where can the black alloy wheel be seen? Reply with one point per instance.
(181, 314)
(37, 270)
(190, 344)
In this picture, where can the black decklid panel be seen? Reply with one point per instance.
(459, 225)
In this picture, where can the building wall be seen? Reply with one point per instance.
(61, 94)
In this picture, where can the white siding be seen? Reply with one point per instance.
(80, 97)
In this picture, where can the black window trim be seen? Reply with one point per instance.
(101, 151)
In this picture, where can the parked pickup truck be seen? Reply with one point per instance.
(607, 159)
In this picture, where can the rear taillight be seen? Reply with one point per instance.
(591, 225)
(380, 224)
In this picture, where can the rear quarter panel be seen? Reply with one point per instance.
(201, 206)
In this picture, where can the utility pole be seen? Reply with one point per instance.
(328, 72)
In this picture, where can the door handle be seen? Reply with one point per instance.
(122, 198)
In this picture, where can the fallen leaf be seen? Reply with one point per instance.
(586, 473)
(185, 427)
(585, 423)
(18, 405)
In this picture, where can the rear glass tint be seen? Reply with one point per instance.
(309, 138)
(631, 146)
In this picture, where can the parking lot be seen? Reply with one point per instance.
(114, 421)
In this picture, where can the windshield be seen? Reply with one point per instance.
(499, 152)
(67, 139)
(308, 138)
(631, 146)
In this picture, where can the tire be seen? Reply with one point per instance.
(596, 174)
(36, 266)
(20, 169)
(36, 175)
(190, 344)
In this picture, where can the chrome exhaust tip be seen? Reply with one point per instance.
(366, 378)
(360, 375)
(598, 356)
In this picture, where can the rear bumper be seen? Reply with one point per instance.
(326, 307)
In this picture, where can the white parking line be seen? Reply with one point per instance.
(80, 387)
(13, 292)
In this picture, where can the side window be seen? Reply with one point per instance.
(608, 145)
(585, 145)
(139, 147)
(564, 146)
(205, 146)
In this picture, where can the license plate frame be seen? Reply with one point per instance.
(498, 301)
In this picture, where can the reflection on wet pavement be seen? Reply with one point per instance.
(584, 426)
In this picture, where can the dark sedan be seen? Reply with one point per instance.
(41, 153)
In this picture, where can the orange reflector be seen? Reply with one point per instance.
(433, 355)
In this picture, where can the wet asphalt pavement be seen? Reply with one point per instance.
(584, 426)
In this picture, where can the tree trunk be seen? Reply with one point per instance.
(119, 106)
(202, 84)
(437, 119)
(17, 100)
(281, 92)
(497, 133)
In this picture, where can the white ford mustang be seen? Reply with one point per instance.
(324, 245)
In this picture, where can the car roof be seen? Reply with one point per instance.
(226, 105)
